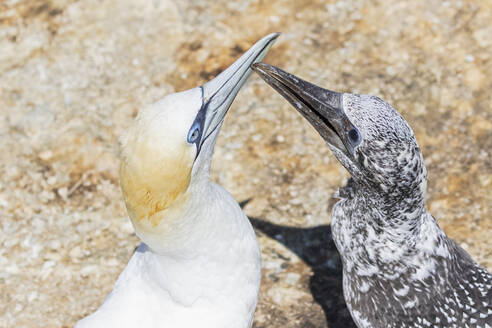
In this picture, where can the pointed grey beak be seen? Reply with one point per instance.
(219, 93)
(321, 107)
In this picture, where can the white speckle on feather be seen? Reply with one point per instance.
(403, 291)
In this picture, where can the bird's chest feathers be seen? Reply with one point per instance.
(378, 262)
(352, 231)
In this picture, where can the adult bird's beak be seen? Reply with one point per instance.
(219, 93)
(321, 107)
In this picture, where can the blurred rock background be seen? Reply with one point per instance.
(73, 74)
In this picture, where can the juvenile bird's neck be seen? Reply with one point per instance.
(365, 220)
(395, 208)
(373, 230)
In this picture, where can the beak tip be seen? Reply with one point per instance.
(261, 67)
(271, 37)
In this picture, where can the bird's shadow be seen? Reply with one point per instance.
(316, 248)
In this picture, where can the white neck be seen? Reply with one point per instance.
(213, 238)
(207, 273)
(184, 230)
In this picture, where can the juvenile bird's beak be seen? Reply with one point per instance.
(219, 93)
(321, 107)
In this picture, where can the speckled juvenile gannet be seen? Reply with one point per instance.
(399, 268)
(199, 263)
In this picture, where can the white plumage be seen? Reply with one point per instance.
(199, 262)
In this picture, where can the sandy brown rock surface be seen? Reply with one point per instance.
(73, 74)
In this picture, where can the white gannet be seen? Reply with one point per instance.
(199, 263)
(400, 270)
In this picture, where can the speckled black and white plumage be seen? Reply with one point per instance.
(399, 268)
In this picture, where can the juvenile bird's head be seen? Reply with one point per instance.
(368, 136)
(166, 153)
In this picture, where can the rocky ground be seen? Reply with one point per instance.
(73, 74)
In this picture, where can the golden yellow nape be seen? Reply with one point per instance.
(153, 181)
(156, 165)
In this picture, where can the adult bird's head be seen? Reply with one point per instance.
(166, 153)
(368, 136)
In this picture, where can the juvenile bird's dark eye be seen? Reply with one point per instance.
(193, 134)
(354, 135)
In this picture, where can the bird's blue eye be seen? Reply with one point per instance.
(354, 135)
(194, 134)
